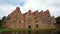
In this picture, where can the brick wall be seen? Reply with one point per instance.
(17, 20)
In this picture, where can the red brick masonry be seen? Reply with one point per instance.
(17, 20)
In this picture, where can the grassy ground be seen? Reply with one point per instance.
(40, 29)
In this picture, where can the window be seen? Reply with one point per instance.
(15, 21)
(43, 24)
(29, 18)
(22, 21)
(48, 23)
(29, 13)
(36, 23)
(37, 17)
(29, 26)
(16, 17)
(48, 20)
(42, 15)
(17, 26)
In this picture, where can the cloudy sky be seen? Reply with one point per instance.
(7, 6)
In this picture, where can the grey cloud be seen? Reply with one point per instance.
(55, 4)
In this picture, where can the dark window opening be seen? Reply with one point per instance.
(29, 26)
(37, 25)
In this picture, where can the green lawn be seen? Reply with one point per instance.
(40, 29)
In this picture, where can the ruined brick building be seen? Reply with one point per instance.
(17, 20)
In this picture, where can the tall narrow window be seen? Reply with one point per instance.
(29, 13)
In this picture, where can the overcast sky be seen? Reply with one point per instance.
(7, 6)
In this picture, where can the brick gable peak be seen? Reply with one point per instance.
(18, 9)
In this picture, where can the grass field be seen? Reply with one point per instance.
(40, 29)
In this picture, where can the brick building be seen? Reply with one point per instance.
(17, 20)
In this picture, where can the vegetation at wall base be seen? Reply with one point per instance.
(42, 29)
(36, 29)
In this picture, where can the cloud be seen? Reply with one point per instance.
(55, 7)
(40, 5)
(13, 2)
(7, 6)
(5, 10)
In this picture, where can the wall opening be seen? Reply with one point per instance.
(37, 26)
(29, 26)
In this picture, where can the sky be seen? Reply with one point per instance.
(8, 6)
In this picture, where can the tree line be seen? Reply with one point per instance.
(1, 20)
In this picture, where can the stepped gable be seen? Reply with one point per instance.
(46, 13)
(15, 11)
(17, 20)
(24, 15)
(34, 13)
(42, 12)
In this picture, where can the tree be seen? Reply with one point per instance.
(4, 18)
(1, 21)
(58, 20)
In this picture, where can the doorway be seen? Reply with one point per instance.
(29, 26)
(37, 26)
